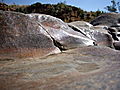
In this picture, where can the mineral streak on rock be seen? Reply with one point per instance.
(100, 37)
(61, 32)
(21, 37)
(85, 67)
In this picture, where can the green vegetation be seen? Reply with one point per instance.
(65, 12)
(115, 7)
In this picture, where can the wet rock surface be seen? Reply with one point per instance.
(92, 68)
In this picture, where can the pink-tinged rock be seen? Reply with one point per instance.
(86, 68)
(22, 37)
(61, 32)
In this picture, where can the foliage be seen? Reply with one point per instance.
(65, 12)
(115, 7)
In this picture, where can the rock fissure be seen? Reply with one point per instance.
(38, 35)
(56, 43)
(78, 30)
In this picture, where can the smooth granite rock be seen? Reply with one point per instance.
(98, 34)
(108, 19)
(81, 24)
(61, 32)
(112, 21)
(28, 59)
(85, 68)
(21, 37)
(31, 35)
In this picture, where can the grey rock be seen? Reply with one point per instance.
(112, 21)
(33, 35)
(108, 19)
(98, 34)
(61, 32)
(100, 28)
(81, 24)
(117, 45)
(21, 37)
(85, 68)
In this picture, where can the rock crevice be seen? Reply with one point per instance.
(56, 43)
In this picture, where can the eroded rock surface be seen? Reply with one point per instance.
(98, 33)
(86, 68)
(61, 32)
(36, 35)
(21, 37)
(112, 21)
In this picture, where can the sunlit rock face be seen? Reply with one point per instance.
(37, 35)
(31, 35)
(98, 34)
(61, 32)
(112, 21)
(81, 24)
(22, 37)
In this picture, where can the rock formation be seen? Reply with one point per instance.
(112, 21)
(22, 37)
(98, 34)
(84, 59)
(86, 68)
(36, 34)
(61, 32)
(108, 19)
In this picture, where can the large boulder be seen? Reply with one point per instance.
(112, 21)
(102, 35)
(108, 19)
(31, 35)
(83, 68)
(98, 34)
(22, 37)
(61, 32)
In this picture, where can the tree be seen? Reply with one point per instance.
(115, 7)
(118, 4)
(98, 12)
